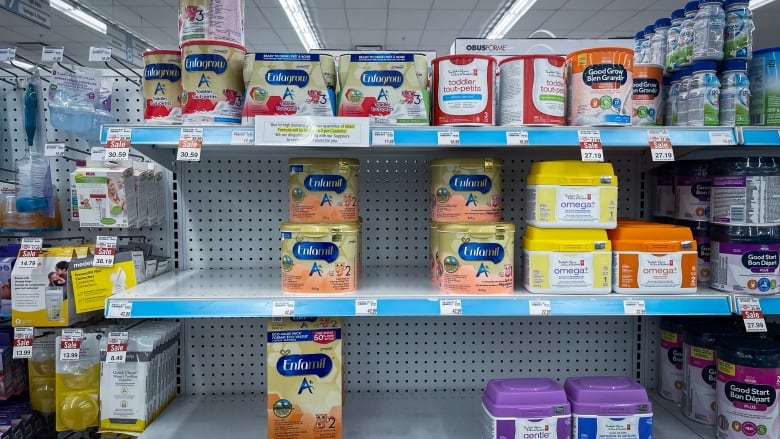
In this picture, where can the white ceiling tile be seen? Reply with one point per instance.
(437, 37)
(276, 17)
(336, 38)
(367, 37)
(366, 19)
(406, 19)
(322, 4)
(533, 19)
(552, 4)
(593, 5)
(441, 20)
(581, 34)
(410, 4)
(253, 19)
(373, 4)
(159, 16)
(494, 5)
(455, 4)
(404, 40)
(605, 20)
(478, 19)
(330, 18)
(566, 20)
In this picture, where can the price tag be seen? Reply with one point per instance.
(590, 145)
(634, 307)
(540, 308)
(517, 138)
(752, 315)
(190, 143)
(70, 344)
(116, 347)
(721, 138)
(283, 308)
(54, 150)
(52, 54)
(449, 138)
(23, 341)
(660, 145)
(383, 137)
(105, 250)
(99, 54)
(97, 153)
(29, 253)
(365, 307)
(7, 54)
(450, 307)
(118, 143)
(119, 310)
(242, 137)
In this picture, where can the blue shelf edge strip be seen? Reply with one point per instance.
(759, 136)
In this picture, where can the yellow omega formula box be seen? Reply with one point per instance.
(305, 390)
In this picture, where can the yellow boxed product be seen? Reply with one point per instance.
(78, 386)
(567, 261)
(572, 194)
(92, 285)
(305, 390)
(41, 295)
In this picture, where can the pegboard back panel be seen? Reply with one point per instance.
(232, 206)
(418, 355)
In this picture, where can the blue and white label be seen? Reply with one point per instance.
(205, 62)
(313, 251)
(382, 78)
(162, 71)
(333, 183)
(298, 78)
(472, 251)
(468, 183)
(310, 364)
(603, 427)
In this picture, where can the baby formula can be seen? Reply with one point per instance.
(531, 90)
(745, 259)
(216, 20)
(421, 69)
(682, 96)
(212, 82)
(734, 93)
(670, 103)
(744, 191)
(646, 102)
(466, 190)
(319, 257)
(738, 34)
(599, 86)
(567, 261)
(433, 240)
(693, 184)
(764, 76)
(659, 41)
(673, 41)
(603, 405)
(162, 87)
(343, 69)
(525, 408)
(328, 66)
(323, 190)
(708, 27)
(639, 39)
(670, 358)
(748, 388)
(477, 258)
(704, 95)
(685, 44)
(647, 46)
(463, 88)
(701, 234)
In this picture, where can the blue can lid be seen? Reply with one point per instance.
(720, 2)
(733, 64)
(678, 13)
(640, 35)
(663, 22)
(649, 29)
(705, 65)
(766, 50)
(747, 351)
(692, 6)
(728, 3)
(686, 71)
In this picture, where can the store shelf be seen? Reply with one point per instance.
(402, 292)
(759, 136)
(770, 305)
(387, 417)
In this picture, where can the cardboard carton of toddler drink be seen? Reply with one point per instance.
(304, 378)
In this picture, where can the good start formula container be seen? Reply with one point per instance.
(463, 89)
(748, 388)
(745, 191)
(764, 76)
(599, 86)
(567, 261)
(572, 194)
(477, 258)
(532, 90)
(466, 190)
(693, 183)
(701, 234)
(218, 20)
(162, 87)
(323, 189)
(646, 97)
(609, 407)
(670, 359)
(319, 257)
(212, 82)
(286, 84)
(745, 259)
(525, 408)
(664, 199)
(653, 258)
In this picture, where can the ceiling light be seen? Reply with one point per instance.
(79, 15)
(507, 19)
(755, 4)
(300, 22)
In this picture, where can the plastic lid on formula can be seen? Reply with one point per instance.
(766, 50)
(678, 14)
(565, 240)
(692, 6)
(749, 351)
(590, 395)
(702, 2)
(640, 35)
(728, 3)
(733, 64)
(572, 172)
(651, 237)
(649, 29)
(705, 65)
(663, 22)
(524, 397)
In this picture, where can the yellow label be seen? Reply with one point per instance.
(702, 353)
(537, 269)
(669, 336)
(93, 285)
(727, 368)
(582, 59)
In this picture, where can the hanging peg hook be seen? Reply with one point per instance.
(120, 73)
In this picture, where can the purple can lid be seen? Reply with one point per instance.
(525, 398)
(607, 395)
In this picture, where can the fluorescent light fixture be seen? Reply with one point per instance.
(755, 4)
(508, 19)
(79, 15)
(300, 21)
(23, 65)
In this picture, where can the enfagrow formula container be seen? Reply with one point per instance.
(323, 189)
(218, 20)
(609, 407)
(748, 388)
(745, 259)
(745, 191)
(162, 87)
(599, 86)
(532, 90)
(670, 359)
(320, 257)
(466, 189)
(567, 261)
(764, 76)
(572, 194)
(525, 408)
(477, 257)
(464, 90)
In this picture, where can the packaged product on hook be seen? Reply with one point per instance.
(78, 386)
(73, 97)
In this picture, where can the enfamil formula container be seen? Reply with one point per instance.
(525, 408)
(567, 261)
(572, 194)
(609, 406)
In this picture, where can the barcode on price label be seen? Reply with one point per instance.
(365, 307)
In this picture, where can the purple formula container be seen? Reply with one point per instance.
(516, 408)
(609, 405)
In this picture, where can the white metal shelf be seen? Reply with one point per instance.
(402, 292)
(379, 417)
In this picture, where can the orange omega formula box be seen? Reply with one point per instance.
(305, 390)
